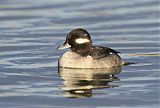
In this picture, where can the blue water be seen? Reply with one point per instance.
(31, 30)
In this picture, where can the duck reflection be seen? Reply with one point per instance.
(80, 82)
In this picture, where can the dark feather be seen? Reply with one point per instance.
(100, 52)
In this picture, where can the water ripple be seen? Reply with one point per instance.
(30, 31)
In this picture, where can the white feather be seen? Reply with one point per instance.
(81, 40)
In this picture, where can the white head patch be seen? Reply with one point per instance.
(82, 40)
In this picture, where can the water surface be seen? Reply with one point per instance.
(30, 31)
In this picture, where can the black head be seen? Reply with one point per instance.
(79, 41)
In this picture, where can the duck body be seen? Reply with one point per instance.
(84, 55)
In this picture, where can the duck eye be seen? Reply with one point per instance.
(73, 37)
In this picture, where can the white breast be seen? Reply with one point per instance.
(73, 60)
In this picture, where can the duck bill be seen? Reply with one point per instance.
(64, 46)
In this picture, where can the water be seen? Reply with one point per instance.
(30, 31)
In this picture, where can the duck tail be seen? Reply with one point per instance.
(127, 63)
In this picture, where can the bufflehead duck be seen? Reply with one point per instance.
(84, 55)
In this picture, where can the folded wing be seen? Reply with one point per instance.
(100, 52)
